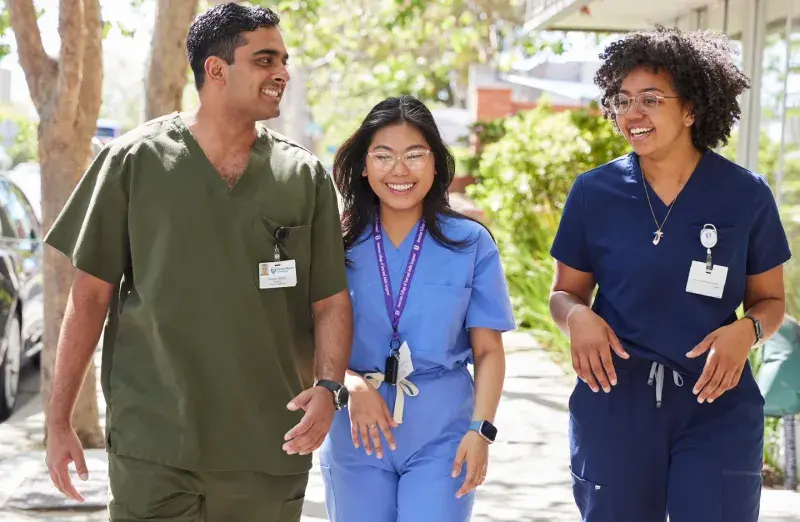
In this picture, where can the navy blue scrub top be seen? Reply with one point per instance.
(607, 229)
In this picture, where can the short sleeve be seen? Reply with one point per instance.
(328, 275)
(489, 304)
(92, 228)
(569, 245)
(768, 245)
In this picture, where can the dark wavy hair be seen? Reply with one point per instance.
(361, 203)
(703, 74)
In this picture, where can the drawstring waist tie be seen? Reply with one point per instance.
(657, 376)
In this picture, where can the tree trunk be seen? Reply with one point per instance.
(67, 94)
(168, 64)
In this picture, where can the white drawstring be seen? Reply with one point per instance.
(404, 387)
(657, 372)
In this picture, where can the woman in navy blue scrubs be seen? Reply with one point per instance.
(666, 416)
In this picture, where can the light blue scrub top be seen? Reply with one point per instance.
(451, 292)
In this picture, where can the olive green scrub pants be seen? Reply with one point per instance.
(142, 490)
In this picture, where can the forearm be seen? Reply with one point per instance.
(770, 312)
(80, 332)
(562, 304)
(333, 326)
(490, 371)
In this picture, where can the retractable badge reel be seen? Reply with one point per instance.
(708, 238)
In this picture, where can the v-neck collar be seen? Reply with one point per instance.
(217, 183)
(655, 199)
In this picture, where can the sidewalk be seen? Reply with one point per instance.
(528, 479)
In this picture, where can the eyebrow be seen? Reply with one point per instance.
(271, 52)
(412, 147)
(646, 89)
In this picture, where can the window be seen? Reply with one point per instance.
(16, 221)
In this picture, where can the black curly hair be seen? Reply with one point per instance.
(703, 74)
(218, 32)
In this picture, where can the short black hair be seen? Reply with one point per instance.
(218, 32)
(702, 69)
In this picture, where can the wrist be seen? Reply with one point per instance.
(58, 424)
(575, 311)
(754, 330)
(355, 382)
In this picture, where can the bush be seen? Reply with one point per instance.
(523, 177)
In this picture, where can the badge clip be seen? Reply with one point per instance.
(708, 238)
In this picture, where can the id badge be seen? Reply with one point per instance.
(280, 274)
(703, 282)
(405, 367)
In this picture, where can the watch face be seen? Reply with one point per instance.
(488, 431)
(342, 397)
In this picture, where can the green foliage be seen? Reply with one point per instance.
(358, 55)
(524, 176)
(26, 142)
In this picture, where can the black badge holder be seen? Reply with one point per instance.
(392, 362)
(280, 236)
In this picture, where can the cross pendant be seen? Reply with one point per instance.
(658, 235)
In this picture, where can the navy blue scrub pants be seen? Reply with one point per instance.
(632, 461)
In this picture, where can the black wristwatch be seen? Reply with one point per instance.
(757, 328)
(340, 393)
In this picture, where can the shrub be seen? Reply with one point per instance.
(523, 176)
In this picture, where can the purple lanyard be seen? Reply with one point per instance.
(396, 310)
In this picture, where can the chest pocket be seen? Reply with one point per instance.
(730, 251)
(294, 244)
(437, 317)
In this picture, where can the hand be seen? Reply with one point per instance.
(310, 432)
(64, 447)
(475, 451)
(368, 414)
(590, 338)
(728, 349)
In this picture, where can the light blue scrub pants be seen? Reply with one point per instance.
(412, 483)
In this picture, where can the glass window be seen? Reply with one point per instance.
(19, 223)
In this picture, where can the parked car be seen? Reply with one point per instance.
(21, 290)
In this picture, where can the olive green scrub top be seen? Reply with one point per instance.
(199, 363)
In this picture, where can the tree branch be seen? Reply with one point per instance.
(90, 97)
(72, 30)
(40, 69)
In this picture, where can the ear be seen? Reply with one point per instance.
(688, 117)
(216, 70)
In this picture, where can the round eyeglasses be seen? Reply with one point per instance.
(646, 102)
(386, 161)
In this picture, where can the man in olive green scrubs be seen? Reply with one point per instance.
(213, 247)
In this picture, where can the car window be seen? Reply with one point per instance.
(19, 224)
(34, 230)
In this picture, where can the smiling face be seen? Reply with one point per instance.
(400, 167)
(256, 80)
(657, 122)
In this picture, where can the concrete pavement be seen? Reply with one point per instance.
(528, 479)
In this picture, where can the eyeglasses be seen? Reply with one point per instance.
(646, 102)
(386, 161)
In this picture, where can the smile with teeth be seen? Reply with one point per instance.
(271, 92)
(400, 187)
(641, 131)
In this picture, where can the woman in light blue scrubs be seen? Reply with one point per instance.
(666, 417)
(429, 297)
